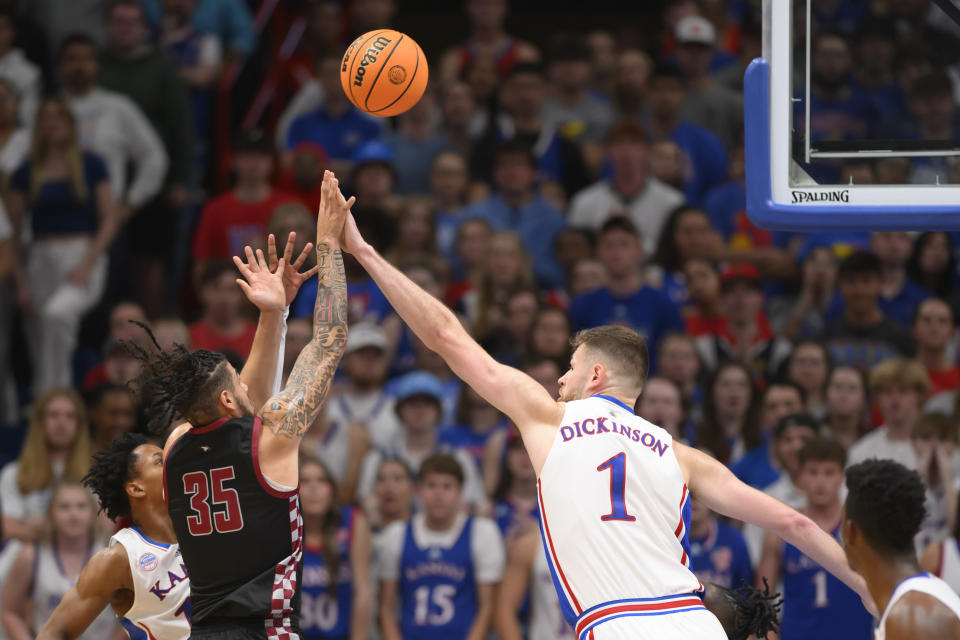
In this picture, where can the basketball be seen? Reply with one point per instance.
(384, 72)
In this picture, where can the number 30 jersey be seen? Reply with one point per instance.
(240, 534)
(615, 512)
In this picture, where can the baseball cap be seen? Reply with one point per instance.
(366, 334)
(253, 141)
(418, 383)
(697, 30)
(372, 152)
(738, 272)
(796, 420)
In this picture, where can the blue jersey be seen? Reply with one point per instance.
(721, 557)
(322, 613)
(437, 589)
(816, 604)
(507, 516)
(461, 436)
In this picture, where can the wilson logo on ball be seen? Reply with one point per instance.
(369, 58)
(397, 74)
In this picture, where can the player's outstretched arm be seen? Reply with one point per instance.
(105, 574)
(719, 489)
(287, 415)
(514, 393)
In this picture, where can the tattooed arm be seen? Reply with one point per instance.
(287, 415)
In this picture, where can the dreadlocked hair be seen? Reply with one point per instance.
(112, 468)
(745, 612)
(178, 382)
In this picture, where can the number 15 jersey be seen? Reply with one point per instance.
(615, 512)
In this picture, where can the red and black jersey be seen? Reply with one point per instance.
(240, 535)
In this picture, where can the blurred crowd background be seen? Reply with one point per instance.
(565, 169)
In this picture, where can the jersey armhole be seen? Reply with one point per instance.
(274, 489)
(941, 551)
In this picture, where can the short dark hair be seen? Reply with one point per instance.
(886, 501)
(75, 39)
(625, 346)
(514, 148)
(780, 382)
(102, 390)
(442, 464)
(936, 425)
(619, 223)
(114, 4)
(111, 469)
(819, 449)
(667, 70)
(524, 69)
(212, 271)
(859, 263)
(915, 315)
(627, 131)
(568, 47)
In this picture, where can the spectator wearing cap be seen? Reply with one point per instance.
(709, 104)
(745, 335)
(516, 206)
(578, 113)
(336, 125)
(362, 398)
(221, 326)
(626, 300)
(374, 175)
(863, 336)
(899, 387)
(415, 143)
(706, 156)
(559, 161)
(231, 220)
(419, 398)
(629, 191)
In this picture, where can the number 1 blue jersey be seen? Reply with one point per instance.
(816, 604)
(437, 588)
(321, 614)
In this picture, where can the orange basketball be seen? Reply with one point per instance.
(384, 72)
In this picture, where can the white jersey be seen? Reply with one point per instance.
(546, 618)
(949, 569)
(924, 583)
(161, 588)
(615, 512)
(50, 584)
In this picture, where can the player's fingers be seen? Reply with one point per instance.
(272, 250)
(307, 248)
(244, 271)
(309, 273)
(251, 260)
(281, 265)
(261, 260)
(243, 285)
(351, 202)
(288, 250)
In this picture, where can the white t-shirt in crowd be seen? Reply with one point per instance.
(648, 210)
(877, 444)
(15, 504)
(486, 546)
(375, 409)
(14, 152)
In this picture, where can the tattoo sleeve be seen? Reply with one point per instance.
(291, 412)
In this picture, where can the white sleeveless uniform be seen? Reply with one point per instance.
(614, 518)
(546, 618)
(50, 584)
(924, 583)
(161, 588)
(949, 569)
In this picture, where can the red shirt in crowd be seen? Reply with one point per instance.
(227, 224)
(944, 380)
(203, 336)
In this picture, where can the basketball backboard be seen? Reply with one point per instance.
(830, 150)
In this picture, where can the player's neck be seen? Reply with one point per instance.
(885, 573)
(155, 524)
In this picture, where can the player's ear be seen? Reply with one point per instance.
(134, 489)
(227, 400)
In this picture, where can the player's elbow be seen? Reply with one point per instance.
(795, 526)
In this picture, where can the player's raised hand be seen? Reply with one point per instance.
(333, 211)
(262, 287)
(291, 274)
(351, 241)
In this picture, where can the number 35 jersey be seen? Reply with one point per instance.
(240, 534)
(615, 512)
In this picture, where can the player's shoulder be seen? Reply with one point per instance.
(175, 435)
(921, 615)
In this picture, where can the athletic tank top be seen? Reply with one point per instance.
(924, 583)
(437, 588)
(240, 535)
(546, 618)
(949, 569)
(51, 583)
(323, 615)
(161, 588)
(615, 512)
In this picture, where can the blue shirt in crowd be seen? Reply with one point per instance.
(56, 209)
(755, 468)
(721, 557)
(706, 154)
(338, 135)
(647, 311)
(537, 223)
(229, 20)
(364, 298)
(898, 308)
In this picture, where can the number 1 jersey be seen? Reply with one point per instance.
(240, 535)
(615, 512)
